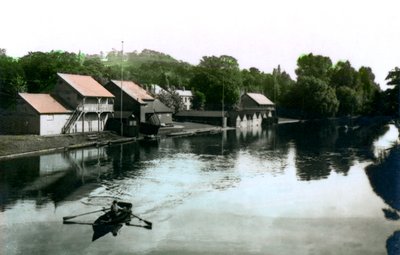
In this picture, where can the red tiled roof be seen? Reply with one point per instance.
(43, 103)
(85, 85)
(260, 99)
(133, 90)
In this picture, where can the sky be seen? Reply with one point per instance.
(258, 33)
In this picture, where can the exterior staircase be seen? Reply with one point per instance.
(71, 121)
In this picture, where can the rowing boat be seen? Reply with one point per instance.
(109, 222)
(109, 218)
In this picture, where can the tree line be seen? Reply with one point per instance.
(322, 89)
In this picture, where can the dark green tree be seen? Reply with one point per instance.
(219, 78)
(349, 101)
(41, 68)
(393, 94)
(316, 66)
(343, 74)
(12, 80)
(368, 89)
(316, 98)
(198, 101)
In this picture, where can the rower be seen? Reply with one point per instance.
(115, 208)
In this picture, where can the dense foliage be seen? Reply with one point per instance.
(322, 89)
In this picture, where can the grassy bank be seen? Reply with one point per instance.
(14, 145)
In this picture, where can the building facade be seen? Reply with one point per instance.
(131, 97)
(41, 114)
(90, 102)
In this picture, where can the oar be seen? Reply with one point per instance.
(78, 223)
(74, 216)
(145, 221)
(140, 226)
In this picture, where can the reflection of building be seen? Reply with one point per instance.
(140, 103)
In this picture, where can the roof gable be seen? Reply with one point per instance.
(160, 107)
(260, 99)
(43, 103)
(85, 85)
(134, 91)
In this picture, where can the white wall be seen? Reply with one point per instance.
(90, 123)
(52, 124)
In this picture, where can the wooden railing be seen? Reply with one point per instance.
(96, 108)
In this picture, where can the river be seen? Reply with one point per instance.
(299, 188)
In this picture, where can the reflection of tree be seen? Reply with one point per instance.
(15, 174)
(311, 167)
(393, 244)
(322, 146)
(385, 178)
(385, 181)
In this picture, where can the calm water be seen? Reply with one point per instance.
(290, 189)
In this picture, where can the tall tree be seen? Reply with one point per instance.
(368, 89)
(41, 68)
(219, 78)
(316, 98)
(393, 78)
(314, 66)
(350, 101)
(343, 74)
(12, 80)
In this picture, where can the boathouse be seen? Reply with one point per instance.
(90, 101)
(206, 117)
(255, 109)
(40, 114)
(139, 102)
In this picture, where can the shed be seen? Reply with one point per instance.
(41, 114)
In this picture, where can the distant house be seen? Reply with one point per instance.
(90, 101)
(187, 97)
(41, 114)
(140, 103)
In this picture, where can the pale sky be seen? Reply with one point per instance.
(262, 34)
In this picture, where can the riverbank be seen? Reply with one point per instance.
(24, 145)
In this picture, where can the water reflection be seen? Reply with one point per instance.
(291, 171)
(321, 148)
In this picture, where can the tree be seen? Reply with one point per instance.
(349, 101)
(316, 98)
(219, 78)
(343, 74)
(41, 68)
(393, 78)
(314, 66)
(172, 100)
(252, 80)
(368, 89)
(199, 100)
(12, 80)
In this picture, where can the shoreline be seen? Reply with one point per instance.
(14, 146)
